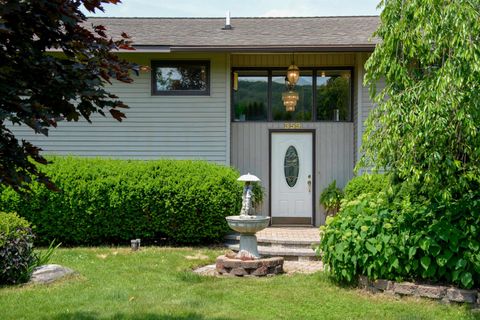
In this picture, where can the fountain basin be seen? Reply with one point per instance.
(247, 224)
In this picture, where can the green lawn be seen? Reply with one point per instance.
(156, 283)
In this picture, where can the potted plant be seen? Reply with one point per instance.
(331, 197)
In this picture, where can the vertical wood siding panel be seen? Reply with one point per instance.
(334, 154)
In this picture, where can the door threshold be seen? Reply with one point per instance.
(296, 221)
(280, 225)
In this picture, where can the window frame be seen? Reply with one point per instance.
(172, 63)
(314, 71)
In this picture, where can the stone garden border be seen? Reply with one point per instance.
(442, 293)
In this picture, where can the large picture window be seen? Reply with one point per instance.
(250, 97)
(180, 77)
(325, 94)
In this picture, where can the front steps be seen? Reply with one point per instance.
(291, 249)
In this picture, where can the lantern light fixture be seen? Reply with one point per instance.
(293, 73)
(290, 99)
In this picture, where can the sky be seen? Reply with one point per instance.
(239, 8)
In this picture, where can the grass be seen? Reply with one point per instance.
(157, 283)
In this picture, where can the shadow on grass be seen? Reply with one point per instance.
(138, 316)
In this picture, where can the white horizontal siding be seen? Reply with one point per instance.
(177, 127)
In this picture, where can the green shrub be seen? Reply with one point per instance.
(112, 201)
(365, 183)
(331, 197)
(404, 237)
(16, 249)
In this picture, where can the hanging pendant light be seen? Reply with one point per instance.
(293, 73)
(290, 99)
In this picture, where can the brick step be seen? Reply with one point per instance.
(281, 243)
(290, 254)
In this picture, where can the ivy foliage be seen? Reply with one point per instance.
(113, 201)
(55, 67)
(425, 127)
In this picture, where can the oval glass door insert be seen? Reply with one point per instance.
(291, 166)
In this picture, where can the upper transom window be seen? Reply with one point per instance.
(181, 77)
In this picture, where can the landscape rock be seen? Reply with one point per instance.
(49, 273)
(383, 285)
(432, 292)
(238, 272)
(461, 295)
(260, 272)
(405, 288)
(363, 282)
(245, 256)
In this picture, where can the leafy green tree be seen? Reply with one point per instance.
(54, 67)
(425, 127)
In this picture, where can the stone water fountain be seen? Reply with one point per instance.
(248, 262)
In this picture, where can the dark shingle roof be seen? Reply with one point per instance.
(179, 34)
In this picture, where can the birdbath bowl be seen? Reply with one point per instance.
(247, 226)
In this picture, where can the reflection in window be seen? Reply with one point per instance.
(180, 77)
(303, 110)
(334, 95)
(250, 99)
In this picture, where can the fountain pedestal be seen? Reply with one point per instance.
(248, 261)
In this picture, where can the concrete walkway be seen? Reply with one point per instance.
(287, 234)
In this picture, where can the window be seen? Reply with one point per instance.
(250, 95)
(180, 77)
(334, 95)
(303, 110)
(325, 94)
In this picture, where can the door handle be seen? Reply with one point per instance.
(309, 183)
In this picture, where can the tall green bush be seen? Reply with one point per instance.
(112, 201)
(16, 249)
(366, 183)
(403, 236)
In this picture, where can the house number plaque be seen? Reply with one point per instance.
(292, 125)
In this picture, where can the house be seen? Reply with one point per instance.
(217, 90)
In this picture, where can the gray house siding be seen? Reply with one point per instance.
(334, 155)
(177, 127)
(363, 105)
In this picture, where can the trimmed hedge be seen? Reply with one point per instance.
(112, 201)
(16, 249)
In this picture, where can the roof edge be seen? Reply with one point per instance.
(254, 49)
(223, 18)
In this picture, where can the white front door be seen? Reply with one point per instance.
(291, 177)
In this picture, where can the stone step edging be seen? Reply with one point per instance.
(442, 293)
